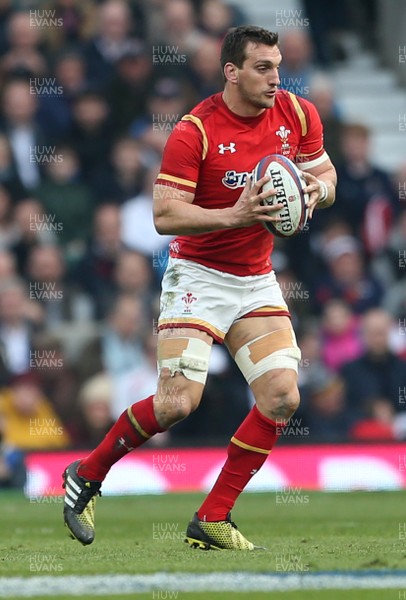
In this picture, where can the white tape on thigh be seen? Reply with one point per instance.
(192, 362)
(260, 355)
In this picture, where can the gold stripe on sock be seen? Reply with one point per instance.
(137, 425)
(248, 447)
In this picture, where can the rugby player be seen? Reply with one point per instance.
(219, 283)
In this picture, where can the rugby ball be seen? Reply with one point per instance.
(289, 182)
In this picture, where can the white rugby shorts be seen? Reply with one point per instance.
(209, 300)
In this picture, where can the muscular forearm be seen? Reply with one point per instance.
(175, 217)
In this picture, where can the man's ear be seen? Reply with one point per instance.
(231, 72)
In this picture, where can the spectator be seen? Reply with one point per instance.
(58, 381)
(310, 344)
(329, 28)
(60, 302)
(138, 231)
(347, 277)
(7, 226)
(120, 346)
(91, 134)
(206, 75)
(114, 25)
(311, 364)
(329, 417)
(169, 100)
(176, 39)
(95, 399)
(12, 468)
(365, 194)
(133, 274)
(137, 382)
(378, 372)
(296, 69)
(395, 296)
(20, 126)
(67, 199)
(124, 177)
(129, 89)
(95, 271)
(9, 178)
(378, 423)
(23, 54)
(216, 18)
(165, 107)
(31, 229)
(55, 113)
(307, 253)
(7, 265)
(390, 264)
(75, 23)
(6, 11)
(322, 94)
(295, 294)
(16, 328)
(153, 142)
(31, 422)
(340, 335)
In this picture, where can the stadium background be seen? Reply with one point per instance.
(89, 94)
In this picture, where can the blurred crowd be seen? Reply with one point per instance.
(90, 92)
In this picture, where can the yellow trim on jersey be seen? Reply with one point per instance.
(200, 126)
(248, 447)
(311, 153)
(175, 320)
(137, 426)
(192, 184)
(300, 113)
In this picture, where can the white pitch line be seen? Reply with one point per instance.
(103, 585)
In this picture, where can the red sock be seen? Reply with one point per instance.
(134, 427)
(247, 452)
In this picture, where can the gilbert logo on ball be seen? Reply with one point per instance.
(288, 182)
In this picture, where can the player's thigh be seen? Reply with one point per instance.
(267, 354)
(183, 358)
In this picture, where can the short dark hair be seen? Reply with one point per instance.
(236, 40)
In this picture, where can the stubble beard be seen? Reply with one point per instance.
(257, 101)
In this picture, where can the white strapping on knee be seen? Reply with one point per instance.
(192, 361)
(261, 355)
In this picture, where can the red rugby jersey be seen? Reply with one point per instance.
(210, 153)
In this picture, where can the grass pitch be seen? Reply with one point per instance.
(309, 595)
(144, 534)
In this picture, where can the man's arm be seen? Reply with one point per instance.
(321, 186)
(175, 213)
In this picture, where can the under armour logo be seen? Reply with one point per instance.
(223, 148)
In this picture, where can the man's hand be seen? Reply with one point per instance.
(248, 209)
(321, 182)
(315, 190)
